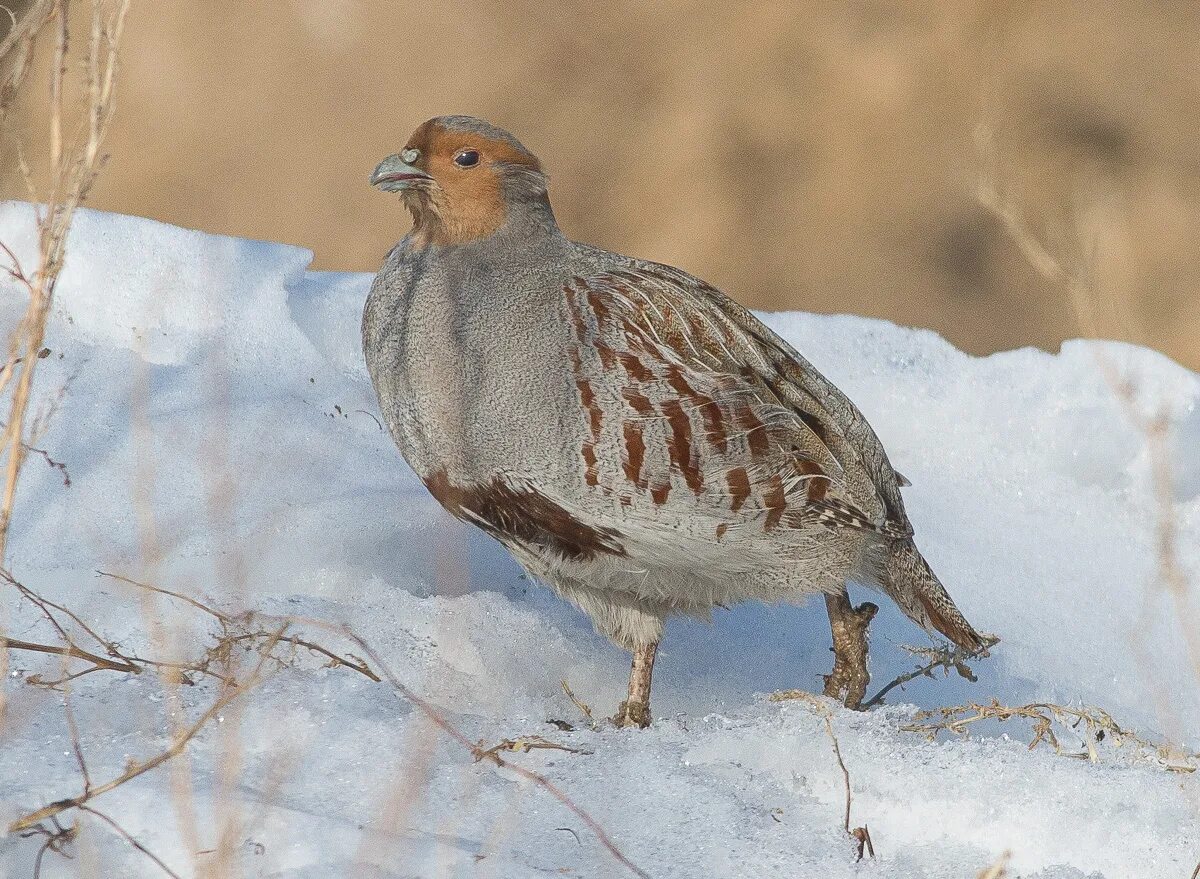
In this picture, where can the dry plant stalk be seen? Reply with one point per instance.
(440, 720)
(125, 834)
(237, 635)
(1095, 724)
(16, 49)
(584, 708)
(522, 744)
(57, 838)
(137, 768)
(73, 166)
(248, 630)
(946, 658)
(861, 835)
(999, 869)
(1080, 284)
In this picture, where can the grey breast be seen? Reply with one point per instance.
(464, 346)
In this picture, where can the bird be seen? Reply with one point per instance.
(639, 442)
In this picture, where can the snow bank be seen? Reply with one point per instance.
(212, 409)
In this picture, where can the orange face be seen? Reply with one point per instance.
(452, 181)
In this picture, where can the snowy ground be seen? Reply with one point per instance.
(212, 410)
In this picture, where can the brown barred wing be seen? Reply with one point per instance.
(681, 426)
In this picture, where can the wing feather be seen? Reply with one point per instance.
(713, 403)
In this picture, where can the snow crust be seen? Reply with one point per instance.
(209, 400)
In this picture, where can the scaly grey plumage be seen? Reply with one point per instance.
(639, 442)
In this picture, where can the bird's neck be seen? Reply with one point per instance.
(522, 221)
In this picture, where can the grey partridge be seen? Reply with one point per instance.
(637, 440)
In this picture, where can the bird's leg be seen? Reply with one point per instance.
(849, 678)
(635, 710)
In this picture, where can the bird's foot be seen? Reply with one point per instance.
(632, 714)
(849, 678)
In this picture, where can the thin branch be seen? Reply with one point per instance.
(45, 605)
(34, 20)
(1096, 723)
(56, 465)
(57, 74)
(837, 752)
(76, 746)
(69, 650)
(583, 707)
(72, 173)
(224, 618)
(428, 709)
(136, 769)
(56, 840)
(521, 744)
(945, 658)
(861, 835)
(129, 839)
(336, 661)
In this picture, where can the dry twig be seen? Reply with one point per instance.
(1095, 724)
(521, 744)
(999, 869)
(57, 837)
(125, 834)
(430, 711)
(73, 169)
(242, 629)
(945, 658)
(583, 707)
(861, 835)
(99, 663)
(135, 769)
(1077, 277)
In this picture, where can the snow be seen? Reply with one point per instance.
(208, 398)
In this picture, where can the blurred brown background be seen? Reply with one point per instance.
(812, 156)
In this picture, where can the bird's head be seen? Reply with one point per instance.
(464, 179)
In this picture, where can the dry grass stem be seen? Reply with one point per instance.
(76, 745)
(999, 869)
(522, 744)
(861, 835)
(440, 720)
(16, 49)
(199, 605)
(1094, 725)
(99, 663)
(583, 707)
(135, 768)
(57, 838)
(73, 168)
(241, 629)
(129, 839)
(245, 631)
(1077, 276)
(945, 658)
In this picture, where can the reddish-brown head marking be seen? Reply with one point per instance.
(467, 198)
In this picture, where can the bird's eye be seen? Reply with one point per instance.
(467, 158)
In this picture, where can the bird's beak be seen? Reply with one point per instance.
(394, 174)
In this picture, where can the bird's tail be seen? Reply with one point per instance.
(921, 595)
